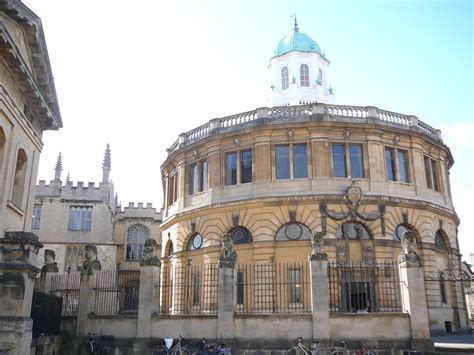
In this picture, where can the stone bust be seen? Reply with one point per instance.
(408, 257)
(91, 263)
(49, 264)
(149, 254)
(228, 256)
(317, 247)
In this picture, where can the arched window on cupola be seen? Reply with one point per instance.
(285, 82)
(304, 75)
(319, 79)
(136, 237)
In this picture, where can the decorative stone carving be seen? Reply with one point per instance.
(408, 257)
(368, 257)
(341, 255)
(149, 254)
(49, 264)
(228, 256)
(317, 247)
(91, 263)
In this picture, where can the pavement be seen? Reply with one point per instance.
(463, 343)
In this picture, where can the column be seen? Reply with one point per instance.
(148, 298)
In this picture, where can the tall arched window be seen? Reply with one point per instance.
(285, 82)
(304, 75)
(20, 177)
(136, 237)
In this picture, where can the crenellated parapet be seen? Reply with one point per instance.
(146, 211)
(75, 191)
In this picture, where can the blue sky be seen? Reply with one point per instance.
(137, 74)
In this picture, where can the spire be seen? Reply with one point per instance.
(68, 179)
(106, 165)
(296, 24)
(58, 168)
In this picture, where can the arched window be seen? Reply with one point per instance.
(401, 229)
(319, 79)
(442, 288)
(136, 237)
(293, 231)
(440, 240)
(304, 75)
(169, 248)
(240, 235)
(352, 230)
(20, 177)
(195, 242)
(285, 83)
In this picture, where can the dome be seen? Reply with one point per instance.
(297, 41)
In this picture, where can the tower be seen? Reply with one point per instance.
(297, 72)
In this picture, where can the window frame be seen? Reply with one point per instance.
(285, 78)
(85, 222)
(396, 165)
(172, 188)
(304, 76)
(239, 166)
(136, 242)
(348, 160)
(432, 173)
(291, 157)
(197, 177)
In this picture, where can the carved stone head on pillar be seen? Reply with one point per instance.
(149, 254)
(49, 264)
(228, 256)
(408, 257)
(91, 263)
(317, 247)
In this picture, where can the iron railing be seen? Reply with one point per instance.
(189, 289)
(117, 291)
(66, 285)
(360, 288)
(269, 288)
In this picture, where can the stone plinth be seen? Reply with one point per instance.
(227, 302)
(320, 298)
(148, 299)
(86, 302)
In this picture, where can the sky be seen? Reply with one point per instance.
(136, 74)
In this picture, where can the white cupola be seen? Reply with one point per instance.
(298, 72)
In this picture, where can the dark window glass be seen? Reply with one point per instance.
(240, 287)
(295, 286)
(196, 288)
(434, 173)
(80, 218)
(282, 161)
(246, 166)
(35, 223)
(428, 173)
(136, 237)
(193, 179)
(390, 162)
(300, 161)
(284, 78)
(357, 160)
(403, 166)
(231, 169)
(339, 160)
(203, 176)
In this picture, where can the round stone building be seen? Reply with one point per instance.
(273, 177)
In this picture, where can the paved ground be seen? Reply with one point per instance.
(464, 342)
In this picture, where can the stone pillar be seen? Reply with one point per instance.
(148, 298)
(86, 302)
(226, 302)
(18, 252)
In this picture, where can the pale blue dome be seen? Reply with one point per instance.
(296, 41)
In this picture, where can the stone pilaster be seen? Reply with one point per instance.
(227, 302)
(148, 298)
(18, 252)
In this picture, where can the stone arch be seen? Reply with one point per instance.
(240, 235)
(169, 248)
(19, 178)
(195, 241)
(293, 231)
(401, 228)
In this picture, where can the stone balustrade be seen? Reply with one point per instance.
(355, 114)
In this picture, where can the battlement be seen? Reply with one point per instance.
(139, 211)
(69, 191)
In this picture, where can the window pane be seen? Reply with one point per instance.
(203, 177)
(240, 287)
(284, 78)
(304, 75)
(71, 218)
(246, 166)
(282, 162)
(403, 166)
(428, 173)
(357, 160)
(295, 286)
(35, 223)
(300, 161)
(389, 161)
(231, 169)
(434, 173)
(339, 160)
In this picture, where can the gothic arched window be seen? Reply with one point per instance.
(285, 82)
(136, 237)
(240, 235)
(304, 75)
(293, 231)
(440, 240)
(352, 230)
(195, 242)
(20, 177)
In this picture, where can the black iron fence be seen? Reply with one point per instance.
(361, 288)
(117, 291)
(46, 313)
(273, 288)
(189, 289)
(67, 286)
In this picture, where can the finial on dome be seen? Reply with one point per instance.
(58, 168)
(331, 90)
(296, 23)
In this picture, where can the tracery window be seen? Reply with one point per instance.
(195, 242)
(240, 235)
(304, 75)
(136, 237)
(293, 231)
(352, 230)
(285, 82)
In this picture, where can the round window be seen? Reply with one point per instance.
(197, 241)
